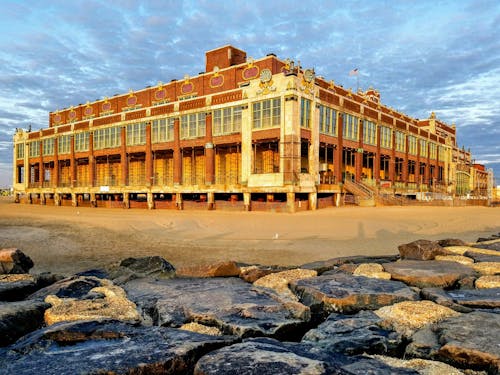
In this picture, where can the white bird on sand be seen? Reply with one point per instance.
(276, 235)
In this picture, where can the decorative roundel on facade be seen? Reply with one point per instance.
(88, 110)
(57, 117)
(266, 75)
(160, 94)
(72, 114)
(187, 87)
(250, 72)
(131, 100)
(106, 106)
(216, 80)
(309, 75)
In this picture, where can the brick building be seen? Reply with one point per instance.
(245, 135)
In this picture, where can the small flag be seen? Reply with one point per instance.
(353, 72)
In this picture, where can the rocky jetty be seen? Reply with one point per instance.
(432, 309)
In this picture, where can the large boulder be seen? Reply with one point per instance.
(428, 274)
(104, 302)
(469, 298)
(279, 281)
(16, 287)
(345, 293)
(71, 287)
(19, 318)
(264, 356)
(421, 250)
(219, 269)
(13, 260)
(254, 272)
(353, 334)
(468, 341)
(230, 304)
(133, 268)
(108, 347)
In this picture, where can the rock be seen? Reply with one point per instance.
(112, 305)
(344, 293)
(424, 366)
(421, 250)
(108, 347)
(462, 250)
(19, 318)
(71, 287)
(230, 304)
(353, 334)
(200, 328)
(468, 341)
(478, 257)
(16, 287)
(468, 298)
(428, 274)
(485, 282)
(406, 317)
(279, 281)
(13, 260)
(330, 264)
(264, 356)
(220, 269)
(374, 270)
(133, 268)
(455, 258)
(491, 244)
(487, 268)
(252, 273)
(451, 242)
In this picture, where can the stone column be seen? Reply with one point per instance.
(177, 153)
(43, 201)
(210, 200)
(376, 161)
(151, 201)
(41, 174)
(338, 152)
(247, 201)
(74, 200)
(55, 174)
(392, 161)
(126, 200)
(290, 202)
(178, 201)
(313, 201)
(209, 152)
(359, 153)
(72, 162)
(149, 156)
(123, 159)
(57, 199)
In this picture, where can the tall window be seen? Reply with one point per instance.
(81, 142)
(64, 144)
(267, 113)
(351, 127)
(327, 120)
(20, 151)
(442, 153)
(227, 120)
(423, 148)
(385, 137)
(433, 151)
(34, 149)
(48, 146)
(136, 134)
(369, 133)
(107, 138)
(400, 141)
(412, 145)
(162, 130)
(193, 125)
(305, 113)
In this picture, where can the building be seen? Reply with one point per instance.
(246, 134)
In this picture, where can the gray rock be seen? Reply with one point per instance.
(264, 356)
(488, 298)
(230, 304)
(19, 290)
(133, 268)
(20, 318)
(71, 287)
(451, 242)
(354, 334)
(421, 250)
(345, 293)
(490, 246)
(428, 274)
(14, 261)
(108, 347)
(482, 257)
(330, 264)
(468, 341)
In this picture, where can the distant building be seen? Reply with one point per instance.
(245, 135)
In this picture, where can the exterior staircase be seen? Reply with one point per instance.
(364, 196)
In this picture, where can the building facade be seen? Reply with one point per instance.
(245, 135)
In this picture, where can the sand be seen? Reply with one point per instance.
(71, 239)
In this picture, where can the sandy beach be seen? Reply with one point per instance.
(68, 239)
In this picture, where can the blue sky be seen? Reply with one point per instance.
(422, 56)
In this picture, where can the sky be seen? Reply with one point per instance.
(423, 56)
